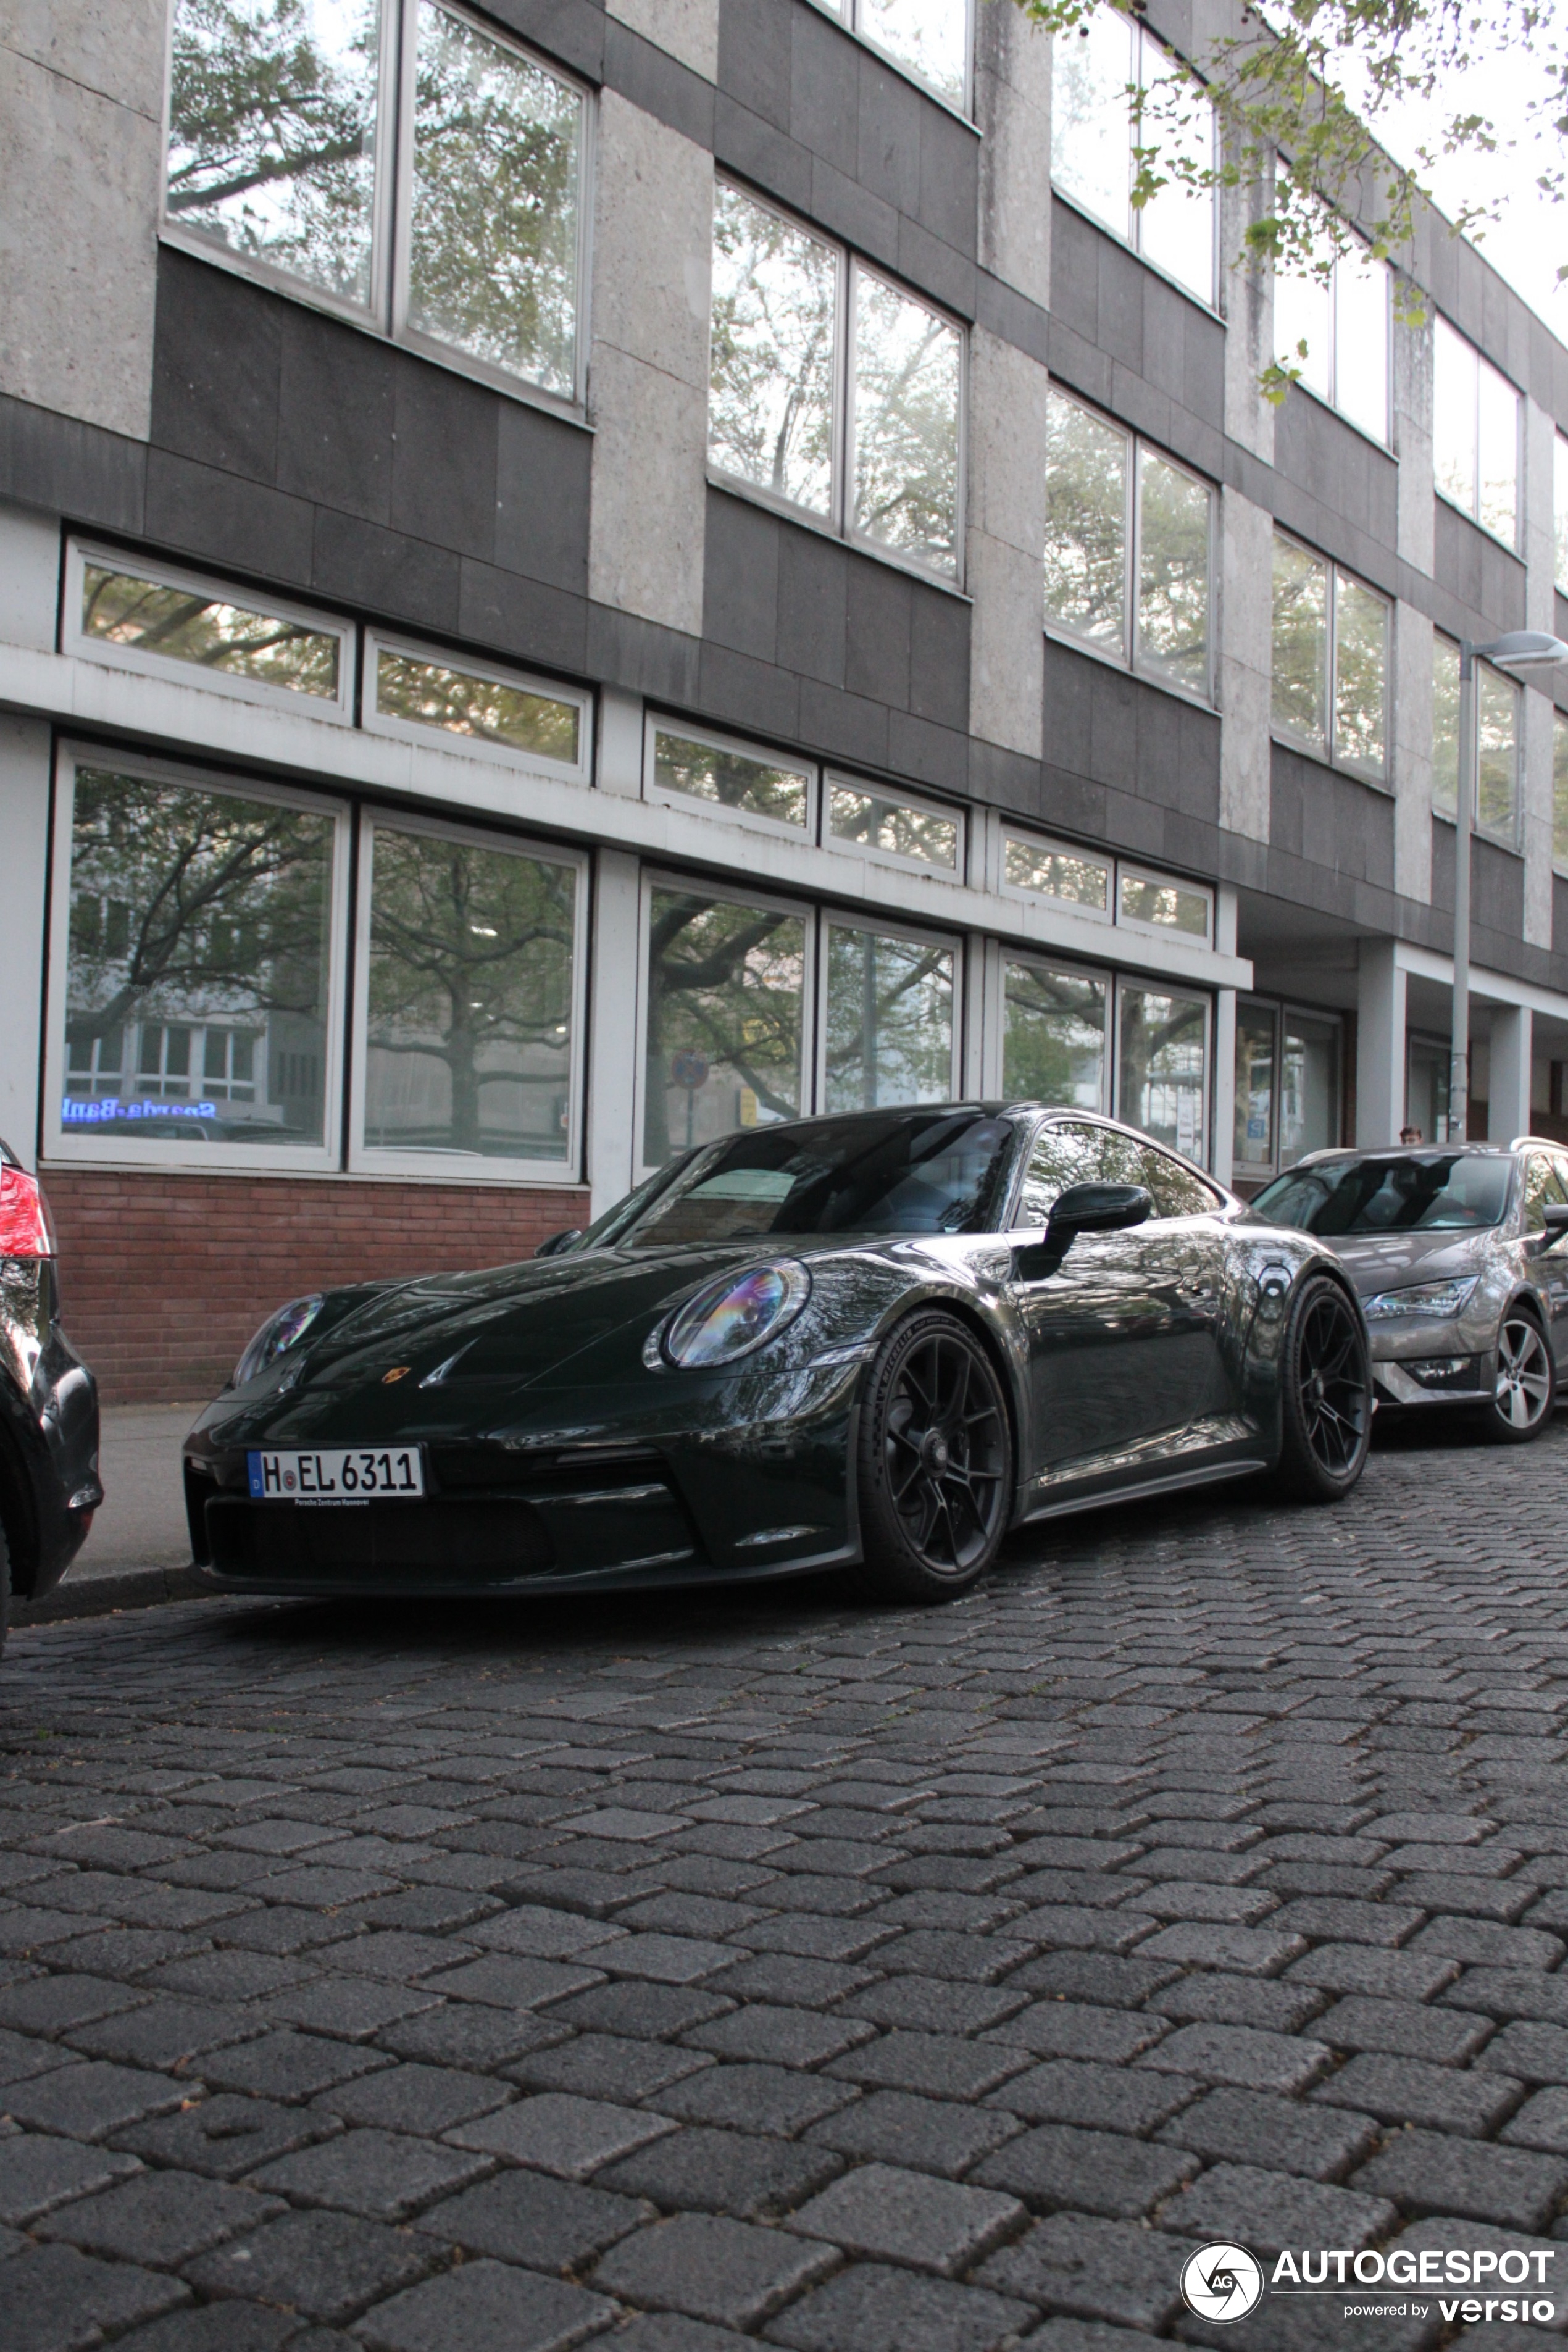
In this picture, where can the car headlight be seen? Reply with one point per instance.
(276, 1336)
(731, 1317)
(1422, 1298)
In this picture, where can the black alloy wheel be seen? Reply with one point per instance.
(1526, 1385)
(1326, 1393)
(936, 1461)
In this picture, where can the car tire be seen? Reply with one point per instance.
(935, 1466)
(1325, 1373)
(1525, 1388)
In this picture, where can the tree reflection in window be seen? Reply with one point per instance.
(1054, 1037)
(1160, 1083)
(890, 1019)
(430, 693)
(908, 366)
(726, 986)
(147, 616)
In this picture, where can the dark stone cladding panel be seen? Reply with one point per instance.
(1496, 893)
(1331, 822)
(1478, 586)
(571, 31)
(1335, 488)
(80, 471)
(1560, 915)
(1126, 764)
(1123, 336)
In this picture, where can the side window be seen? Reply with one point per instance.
(1542, 1183)
(1177, 1192)
(1063, 1155)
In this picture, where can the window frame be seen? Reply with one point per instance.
(848, 16)
(376, 722)
(1193, 992)
(1514, 840)
(1479, 360)
(436, 1164)
(1131, 871)
(918, 803)
(1054, 848)
(661, 723)
(1330, 398)
(1104, 976)
(844, 918)
(337, 709)
(64, 1146)
(1282, 1011)
(1129, 657)
(385, 315)
(1329, 755)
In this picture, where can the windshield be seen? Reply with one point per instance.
(1442, 1191)
(938, 1171)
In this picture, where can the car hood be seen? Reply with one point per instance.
(1377, 1262)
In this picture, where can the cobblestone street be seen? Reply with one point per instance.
(774, 1967)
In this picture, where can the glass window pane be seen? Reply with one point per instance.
(1303, 313)
(930, 37)
(893, 825)
(1092, 116)
(1159, 1083)
(1175, 228)
(1054, 1037)
(427, 694)
(1086, 522)
(729, 779)
(223, 922)
(272, 133)
(1309, 1088)
(1301, 643)
(1454, 415)
(1361, 342)
(1057, 874)
(1497, 753)
(1445, 725)
(468, 1024)
(726, 984)
(907, 365)
(182, 625)
(1062, 1155)
(1560, 790)
(1253, 1143)
(1173, 572)
(1165, 904)
(1498, 472)
(890, 1019)
(492, 262)
(1361, 677)
(776, 305)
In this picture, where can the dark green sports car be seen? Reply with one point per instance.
(875, 1341)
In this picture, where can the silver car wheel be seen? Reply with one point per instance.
(1523, 1374)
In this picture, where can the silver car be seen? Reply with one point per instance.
(1459, 1253)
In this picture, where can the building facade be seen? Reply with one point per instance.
(573, 576)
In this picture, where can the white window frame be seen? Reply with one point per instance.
(432, 738)
(386, 314)
(1053, 848)
(128, 1149)
(75, 641)
(435, 1164)
(849, 14)
(1128, 870)
(1479, 360)
(1329, 756)
(1060, 966)
(743, 748)
(731, 894)
(845, 919)
(916, 802)
(1193, 992)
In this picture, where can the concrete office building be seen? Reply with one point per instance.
(574, 575)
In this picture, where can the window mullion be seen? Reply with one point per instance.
(1332, 664)
(1133, 533)
(401, 34)
(843, 390)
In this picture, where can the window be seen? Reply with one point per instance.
(682, 767)
(470, 985)
(889, 1024)
(726, 993)
(830, 389)
(1045, 869)
(1253, 1146)
(1333, 333)
(298, 144)
(1287, 1086)
(412, 692)
(1475, 454)
(1496, 809)
(1101, 75)
(1161, 1064)
(1128, 546)
(1054, 1036)
(930, 37)
(914, 832)
(1331, 661)
(174, 625)
(1560, 791)
(198, 977)
(1153, 902)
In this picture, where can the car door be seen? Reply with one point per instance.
(1546, 1181)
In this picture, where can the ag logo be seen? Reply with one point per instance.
(1222, 2283)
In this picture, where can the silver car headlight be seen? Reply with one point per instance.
(1422, 1298)
(730, 1318)
(281, 1332)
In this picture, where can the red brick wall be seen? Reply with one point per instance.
(165, 1277)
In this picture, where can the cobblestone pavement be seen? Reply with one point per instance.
(702, 1971)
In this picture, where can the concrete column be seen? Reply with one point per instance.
(25, 831)
(1412, 754)
(1380, 1045)
(1413, 519)
(613, 1152)
(620, 743)
(1246, 666)
(1508, 1083)
(1539, 612)
(30, 577)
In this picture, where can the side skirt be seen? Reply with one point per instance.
(1214, 1474)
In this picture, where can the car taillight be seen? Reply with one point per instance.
(24, 1219)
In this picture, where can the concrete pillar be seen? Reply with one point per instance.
(1508, 1085)
(1246, 666)
(25, 831)
(614, 1152)
(30, 577)
(1380, 1045)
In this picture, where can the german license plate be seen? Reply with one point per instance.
(340, 1474)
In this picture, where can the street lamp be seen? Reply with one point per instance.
(1517, 649)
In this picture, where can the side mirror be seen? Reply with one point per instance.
(553, 1246)
(1554, 1215)
(1097, 1209)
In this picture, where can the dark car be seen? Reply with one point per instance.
(1460, 1254)
(49, 1405)
(879, 1340)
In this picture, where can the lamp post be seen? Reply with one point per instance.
(1517, 649)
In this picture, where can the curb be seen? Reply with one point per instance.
(101, 1596)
